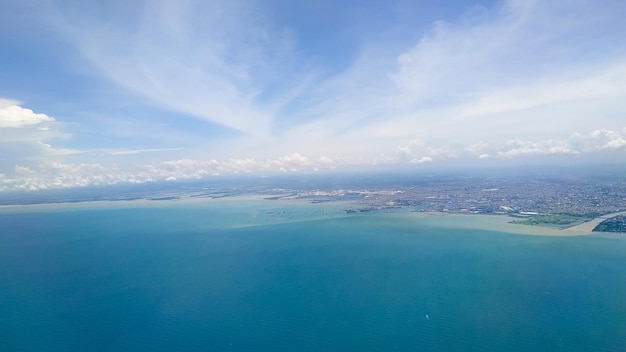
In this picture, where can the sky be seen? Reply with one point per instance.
(132, 91)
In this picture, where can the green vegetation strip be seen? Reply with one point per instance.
(614, 224)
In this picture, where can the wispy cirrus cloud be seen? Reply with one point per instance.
(232, 65)
(521, 70)
(514, 79)
(208, 60)
(139, 151)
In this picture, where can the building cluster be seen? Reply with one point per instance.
(484, 195)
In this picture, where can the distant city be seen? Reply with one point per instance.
(558, 202)
(484, 196)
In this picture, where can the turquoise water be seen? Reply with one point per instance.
(279, 276)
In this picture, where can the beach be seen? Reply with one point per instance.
(499, 223)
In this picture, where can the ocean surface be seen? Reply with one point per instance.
(261, 275)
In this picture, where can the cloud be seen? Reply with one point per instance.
(424, 159)
(576, 144)
(514, 148)
(12, 115)
(478, 148)
(599, 140)
(521, 42)
(47, 175)
(418, 151)
(511, 80)
(138, 151)
(212, 61)
(548, 105)
(24, 135)
(519, 71)
(51, 175)
(48, 150)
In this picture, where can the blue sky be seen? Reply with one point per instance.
(96, 92)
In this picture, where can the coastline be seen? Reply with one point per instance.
(142, 202)
(591, 224)
(499, 223)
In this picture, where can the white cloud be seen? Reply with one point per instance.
(478, 148)
(519, 71)
(24, 135)
(424, 159)
(417, 151)
(12, 115)
(520, 42)
(138, 151)
(577, 144)
(546, 105)
(528, 72)
(66, 175)
(48, 150)
(48, 175)
(599, 140)
(204, 59)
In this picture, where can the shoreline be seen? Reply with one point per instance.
(502, 223)
(591, 224)
(128, 203)
(493, 222)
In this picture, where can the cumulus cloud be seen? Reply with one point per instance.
(12, 115)
(513, 148)
(67, 175)
(478, 148)
(599, 140)
(424, 159)
(417, 151)
(576, 144)
(25, 135)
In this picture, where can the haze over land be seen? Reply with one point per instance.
(96, 93)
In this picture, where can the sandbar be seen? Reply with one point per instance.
(499, 223)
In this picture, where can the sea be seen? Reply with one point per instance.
(247, 274)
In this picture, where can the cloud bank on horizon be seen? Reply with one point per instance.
(138, 91)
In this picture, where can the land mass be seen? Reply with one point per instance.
(557, 200)
(614, 224)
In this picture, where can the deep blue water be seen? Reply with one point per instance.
(185, 277)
